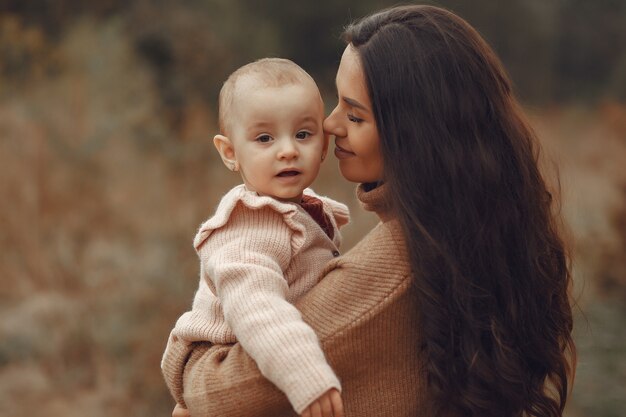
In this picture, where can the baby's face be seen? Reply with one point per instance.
(278, 138)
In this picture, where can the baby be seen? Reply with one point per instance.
(270, 237)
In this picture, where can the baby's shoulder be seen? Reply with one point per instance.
(244, 210)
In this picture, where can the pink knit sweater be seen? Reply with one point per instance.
(258, 256)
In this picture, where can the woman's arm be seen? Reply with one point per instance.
(225, 381)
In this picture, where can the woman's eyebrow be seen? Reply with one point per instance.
(352, 102)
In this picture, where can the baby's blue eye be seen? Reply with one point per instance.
(264, 138)
(302, 135)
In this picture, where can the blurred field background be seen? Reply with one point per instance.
(107, 108)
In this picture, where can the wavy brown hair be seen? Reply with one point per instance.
(491, 273)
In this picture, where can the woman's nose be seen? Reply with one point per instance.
(332, 124)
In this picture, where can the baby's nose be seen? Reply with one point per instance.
(288, 150)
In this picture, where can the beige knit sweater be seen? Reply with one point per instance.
(258, 256)
(365, 318)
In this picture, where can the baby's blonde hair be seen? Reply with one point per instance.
(268, 72)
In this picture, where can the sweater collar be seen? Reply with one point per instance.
(374, 197)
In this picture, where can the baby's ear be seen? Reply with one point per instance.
(325, 148)
(225, 147)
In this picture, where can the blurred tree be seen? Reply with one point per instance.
(591, 51)
(54, 16)
(523, 35)
(554, 50)
(309, 32)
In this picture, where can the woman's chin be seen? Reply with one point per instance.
(356, 174)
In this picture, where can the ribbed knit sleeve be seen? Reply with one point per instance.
(245, 263)
(173, 364)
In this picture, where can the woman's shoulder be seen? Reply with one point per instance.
(242, 208)
(379, 262)
(382, 248)
(372, 277)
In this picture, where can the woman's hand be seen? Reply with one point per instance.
(328, 404)
(180, 411)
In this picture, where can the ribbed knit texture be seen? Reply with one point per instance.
(366, 320)
(259, 255)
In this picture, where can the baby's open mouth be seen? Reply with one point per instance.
(288, 173)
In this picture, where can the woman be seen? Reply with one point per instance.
(456, 304)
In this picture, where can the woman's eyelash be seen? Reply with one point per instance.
(354, 119)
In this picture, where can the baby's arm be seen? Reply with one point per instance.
(245, 262)
(180, 411)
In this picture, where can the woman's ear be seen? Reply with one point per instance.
(225, 147)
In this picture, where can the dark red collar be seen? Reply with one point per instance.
(315, 208)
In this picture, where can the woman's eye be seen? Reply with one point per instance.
(264, 138)
(302, 135)
(354, 119)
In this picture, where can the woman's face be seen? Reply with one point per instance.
(357, 144)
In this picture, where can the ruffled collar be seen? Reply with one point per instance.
(375, 197)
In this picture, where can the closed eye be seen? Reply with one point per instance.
(354, 119)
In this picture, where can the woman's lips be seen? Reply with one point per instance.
(341, 153)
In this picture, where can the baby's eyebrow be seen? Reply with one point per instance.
(308, 119)
(261, 124)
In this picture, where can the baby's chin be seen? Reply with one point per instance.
(293, 198)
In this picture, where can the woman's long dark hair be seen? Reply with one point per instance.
(491, 274)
